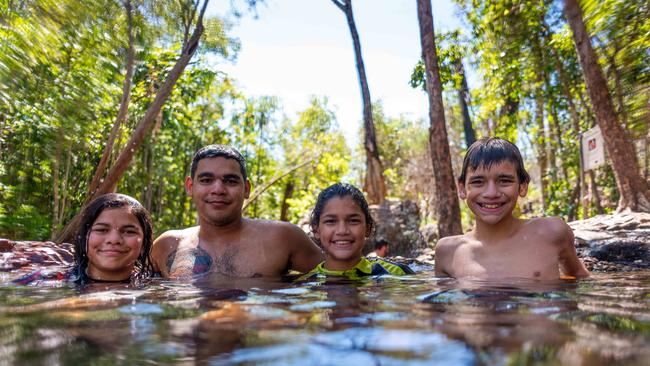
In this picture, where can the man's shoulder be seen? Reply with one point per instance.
(172, 238)
(273, 227)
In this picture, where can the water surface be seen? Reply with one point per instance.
(414, 320)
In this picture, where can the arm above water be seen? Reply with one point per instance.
(162, 248)
(304, 253)
(443, 255)
(570, 264)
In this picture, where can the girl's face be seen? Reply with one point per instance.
(342, 231)
(114, 244)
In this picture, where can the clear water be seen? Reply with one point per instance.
(416, 320)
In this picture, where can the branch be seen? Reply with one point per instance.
(340, 5)
(268, 185)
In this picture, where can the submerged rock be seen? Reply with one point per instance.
(614, 242)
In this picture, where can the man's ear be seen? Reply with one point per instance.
(462, 193)
(188, 185)
(523, 189)
(247, 189)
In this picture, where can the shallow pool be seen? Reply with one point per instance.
(416, 320)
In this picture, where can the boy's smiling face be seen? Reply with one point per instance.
(492, 193)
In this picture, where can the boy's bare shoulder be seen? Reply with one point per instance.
(449, 243)
(454, 239)
(551, 227)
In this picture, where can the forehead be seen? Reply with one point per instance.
(117, 215)
(341, 205)
(503, 167)
(218, 165)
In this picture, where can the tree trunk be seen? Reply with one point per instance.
(463, 98)
(595, 196)
(542, 159)
(145, 124)
(122, 112)
(447, 207)
(374, 181)
(288, 193)
(55, 177)
(556, 130)
(633, 189)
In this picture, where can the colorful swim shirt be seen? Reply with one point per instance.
(366, 267)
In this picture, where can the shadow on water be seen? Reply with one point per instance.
(414, 320)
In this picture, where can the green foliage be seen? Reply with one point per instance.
(532, 87)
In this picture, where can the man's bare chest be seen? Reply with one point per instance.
(234, 260)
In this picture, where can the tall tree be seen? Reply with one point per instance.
(189, 47)
(447, 206)
(374, 184)
(634, 193)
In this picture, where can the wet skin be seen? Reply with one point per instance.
(225, 242)
(342, 231)
(114, 244)
(501, 245)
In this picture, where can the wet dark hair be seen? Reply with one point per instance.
(215, 151)
(340, 190)
(143, 265)
(380, 243)
(493, 150)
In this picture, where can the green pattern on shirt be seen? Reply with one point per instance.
(366, 267)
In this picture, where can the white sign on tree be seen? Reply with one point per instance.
(593, 149)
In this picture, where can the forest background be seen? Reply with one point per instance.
(73, 74)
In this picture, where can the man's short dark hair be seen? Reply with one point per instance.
(493, 150)
(215, 151)
(380, 243)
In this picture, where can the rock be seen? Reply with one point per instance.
(614, 242)
(430, 234)
(6, 245)
(398, 222)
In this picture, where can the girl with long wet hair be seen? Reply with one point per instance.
(113, 241)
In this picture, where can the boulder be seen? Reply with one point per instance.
(614, 242)
(398, 222)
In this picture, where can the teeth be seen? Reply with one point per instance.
(493, 205)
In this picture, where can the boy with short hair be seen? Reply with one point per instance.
(501, 245)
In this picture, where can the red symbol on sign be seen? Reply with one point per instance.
(591, 144)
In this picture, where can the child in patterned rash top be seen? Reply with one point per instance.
(341, 222)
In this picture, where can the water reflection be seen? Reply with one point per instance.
(390, 320)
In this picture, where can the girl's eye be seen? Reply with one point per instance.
(99, 230)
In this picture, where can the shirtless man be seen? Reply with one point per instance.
(500, 245)
(224, 241)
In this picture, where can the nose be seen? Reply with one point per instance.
(342, 228)
(114, 236)
(218, 187)
(491, 190)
